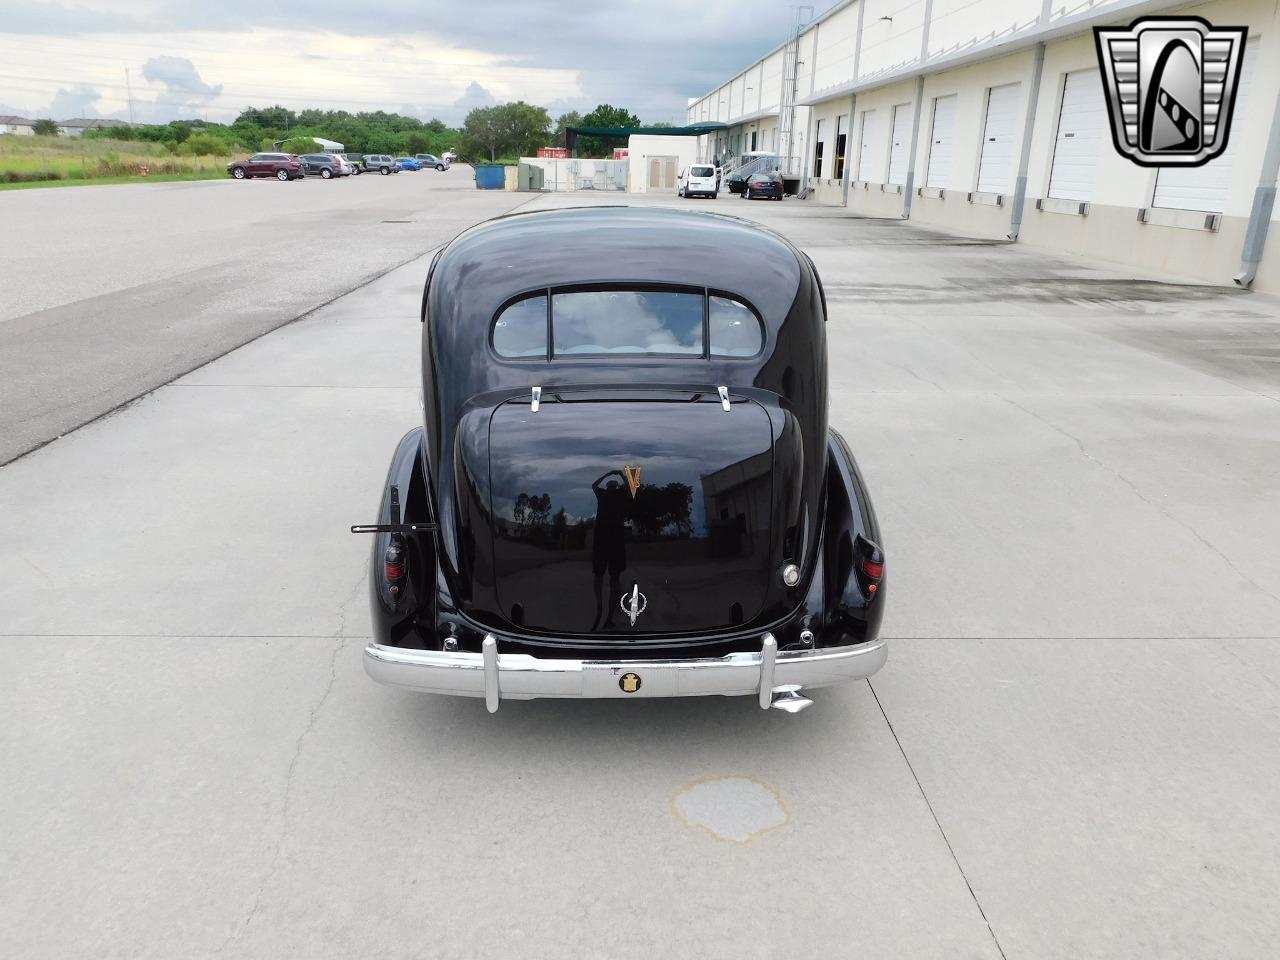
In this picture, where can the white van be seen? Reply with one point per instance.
(698, 178)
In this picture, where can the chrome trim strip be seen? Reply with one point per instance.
(768, 660)
(518, 676)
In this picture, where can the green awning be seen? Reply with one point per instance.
(693, 130)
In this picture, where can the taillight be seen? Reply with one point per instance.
(870, 565)
(394, 565)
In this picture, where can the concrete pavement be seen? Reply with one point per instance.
(1070, 754)
(111, 291)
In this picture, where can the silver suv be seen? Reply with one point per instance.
(431, 160)
(381, 162)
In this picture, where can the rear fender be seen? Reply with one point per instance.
(394, 619)
(852, 532)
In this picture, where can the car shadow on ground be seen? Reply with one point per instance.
(523, 726)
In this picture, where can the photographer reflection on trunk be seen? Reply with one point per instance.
(608, 546)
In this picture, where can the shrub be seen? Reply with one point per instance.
(298, 145)
(204, 145)
(29, 176)
(46, 128)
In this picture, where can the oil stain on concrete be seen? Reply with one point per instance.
(737, 809)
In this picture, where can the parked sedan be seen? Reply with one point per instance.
(768, 185)
(325, 165)
(349, 167)
(408, 163)
(282, 166)
(742, 552)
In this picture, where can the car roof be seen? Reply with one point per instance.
(520, 254)
(491, 264)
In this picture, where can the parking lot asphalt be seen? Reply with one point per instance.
(1071, 752)
(111, 291)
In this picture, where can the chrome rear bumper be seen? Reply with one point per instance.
(516, 676)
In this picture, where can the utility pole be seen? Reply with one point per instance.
(129, 87)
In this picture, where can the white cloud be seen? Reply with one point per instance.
(368, 57)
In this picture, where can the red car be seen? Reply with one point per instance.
(282, 166)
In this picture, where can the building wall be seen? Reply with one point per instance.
(1114, 226)
(836, 44)
(641, 147)
(17, 129)
(955, 208)
(771, 81)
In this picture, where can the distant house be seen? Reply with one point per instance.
(77, 126)
(17, 125)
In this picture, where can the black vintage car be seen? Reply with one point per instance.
(625, 485)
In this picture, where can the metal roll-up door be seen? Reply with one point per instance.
(901, 149)
(868, 169)
(995, 169)
(1082, 129)
(942, 145)
(1205, 188)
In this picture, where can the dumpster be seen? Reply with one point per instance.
(491, 176)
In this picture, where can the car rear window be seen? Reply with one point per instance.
(735, 329)
(521, 329)
(702, 171)
(627, 323)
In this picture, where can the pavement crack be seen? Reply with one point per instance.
(313, 715)
(906, 369)
(938, 823)
(1144, 498)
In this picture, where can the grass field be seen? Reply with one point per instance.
(96, 181)
(54, 161)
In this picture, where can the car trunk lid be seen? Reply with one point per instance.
(604, 507)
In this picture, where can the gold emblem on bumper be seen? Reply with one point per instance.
(629, 682)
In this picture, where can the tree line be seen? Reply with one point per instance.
(498, 134)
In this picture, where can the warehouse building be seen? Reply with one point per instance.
(988, 117)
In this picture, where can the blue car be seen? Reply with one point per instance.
(408, 163)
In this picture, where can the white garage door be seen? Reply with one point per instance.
(1205, 188)
(942, 144)
(868, 169)
(1082, 126)
(995, 170)
(898, 153)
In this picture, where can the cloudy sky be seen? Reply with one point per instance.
(213, 57)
